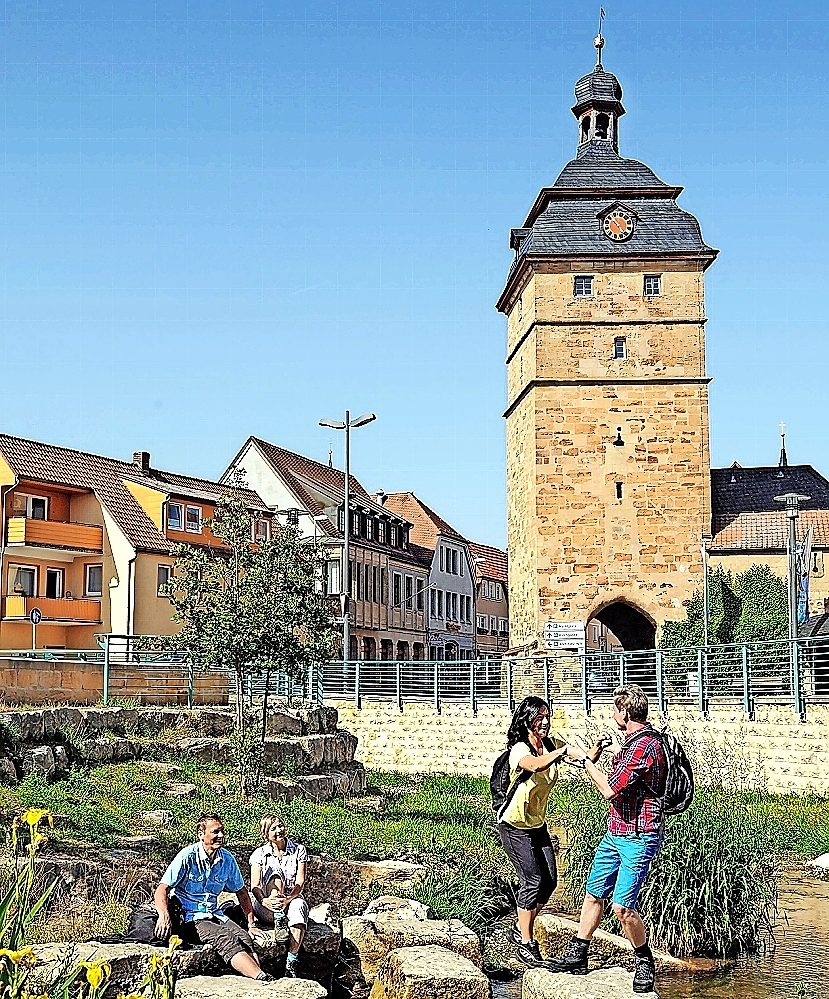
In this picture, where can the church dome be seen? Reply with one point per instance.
(598, 86)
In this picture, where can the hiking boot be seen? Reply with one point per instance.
(530, 954)
(644, 974)
(290, 969)
(573, 961)
(515, 936)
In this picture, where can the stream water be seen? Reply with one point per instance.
(801, 955)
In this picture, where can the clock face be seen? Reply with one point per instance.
(618, 225)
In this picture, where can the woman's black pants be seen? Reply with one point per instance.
(531, 853)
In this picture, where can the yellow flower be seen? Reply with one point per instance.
(156, 961)
(97, 973)
(175, 943)
(34, 816)
(26, 957)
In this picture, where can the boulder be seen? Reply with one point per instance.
(429, 973)
(208, 750)
(163, 768)
(176, 790)
(552, 933)
(236, 987)
(282, 788)
(607, 983)
(391, 923)
(215, 723)
(386, 907)
(394, 873)
(283, 723)
(156, 817)
(8, 771)
(38, 760)
(819, 865)
(61, 758)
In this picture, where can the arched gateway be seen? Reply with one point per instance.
(608, 477)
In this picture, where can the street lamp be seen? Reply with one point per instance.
(792, 501)
(347, 425)
(706, 541)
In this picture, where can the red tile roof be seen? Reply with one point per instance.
(104, 476)
(428, 525)
(495, 564)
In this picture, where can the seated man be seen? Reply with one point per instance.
(196, 876)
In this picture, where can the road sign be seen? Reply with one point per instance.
(564, 635)
(35, 617)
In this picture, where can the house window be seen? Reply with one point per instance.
(23, 580)
(175, 517)
(482, 622)
(454, 607)
(653, 284)
(333, 577)
(94, 580)
(454, 561)
(420, 594)
(54, 583)
(441, 558)
(396, 582)
(381, 531)
(393, 535)
(583, 286)
(369, 528)
(440, 603)
(493, 625)
(618, 490)
(503, 625)
(260, 530)
(433, 603)
(165, 574)
(409, 589)
(374, 584)
(33, 507)
(358, 580)
(496, 591)
(193, 522)
(620, 348)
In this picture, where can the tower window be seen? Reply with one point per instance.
(620, 348)
(602, 123)
(653, 284)
(618, 490)
(583, 286)
(585, 128)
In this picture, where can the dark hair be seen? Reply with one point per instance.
(204, 818)
(524, 718)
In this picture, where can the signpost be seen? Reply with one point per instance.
(35, 617)
(566, 636)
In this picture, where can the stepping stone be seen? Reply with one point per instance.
(607, 983)
(236, 987)
(429, 973)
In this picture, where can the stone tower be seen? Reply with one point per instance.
(608, 479)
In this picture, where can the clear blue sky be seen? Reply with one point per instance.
(231, 218)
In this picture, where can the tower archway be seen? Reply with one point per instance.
(632, 627)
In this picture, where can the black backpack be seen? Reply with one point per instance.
(679, 784)
(499, 782)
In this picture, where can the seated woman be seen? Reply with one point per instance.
(277, 877)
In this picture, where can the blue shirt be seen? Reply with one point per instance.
(197, 882)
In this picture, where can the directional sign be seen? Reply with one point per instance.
(35, 617)
(564, 635)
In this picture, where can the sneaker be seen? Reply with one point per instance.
(515, 936)
(290, 969)
(530, 954)
(573, 961)
(644, 975)
(263, 976)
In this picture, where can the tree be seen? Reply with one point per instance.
(251, 607)
(750, 607)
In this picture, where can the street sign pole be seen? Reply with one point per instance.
(35, 617)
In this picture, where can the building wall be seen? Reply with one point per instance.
(152, 612)
(574, 546)
(461, 583)
(793, 755)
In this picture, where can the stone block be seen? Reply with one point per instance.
(607, 983)
(237, 987)
(156, 817)
(8, 771)
(38, 760)
(386, 907)
(283, 723)
(552, 933)
(429, 972)
(206, 749)
(182, 791)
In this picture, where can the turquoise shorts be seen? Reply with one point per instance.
(620, 866)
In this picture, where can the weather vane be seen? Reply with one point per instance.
(598, 41)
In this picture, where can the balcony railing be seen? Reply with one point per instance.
(85, 611)
(55, 534)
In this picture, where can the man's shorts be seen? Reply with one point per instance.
(620, 866)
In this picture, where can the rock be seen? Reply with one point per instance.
(395, 873)
(163, 768)
(61, 758)
(8, 771)
(317, 787)
(182, 791)
(429, 973)
(392, 906)
(324, 934)
(207, 750)
(215, 723)
(552, 933)
(820, 863)
(282, 788)
(283, 723)
(138, 842)
(382, 930)
(607, 983)
(38, 760)
(156, 817)
(99, 750)
(236, 987)
(371, 803)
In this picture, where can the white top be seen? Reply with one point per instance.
(285, 867)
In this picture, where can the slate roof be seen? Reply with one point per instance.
(745, 516)
(495, 566)
(598, 166)
(598, 86)
(59, 466)
(427, 525)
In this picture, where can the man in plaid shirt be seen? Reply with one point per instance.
(635, 826)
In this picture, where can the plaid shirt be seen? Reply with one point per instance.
(638, 777)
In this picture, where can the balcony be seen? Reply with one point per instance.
(58, 611)
(28, 532)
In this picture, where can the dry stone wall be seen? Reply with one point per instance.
(792, 755)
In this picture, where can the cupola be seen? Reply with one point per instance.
(598, 106)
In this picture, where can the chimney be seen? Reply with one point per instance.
(380, 497)
(142, 459)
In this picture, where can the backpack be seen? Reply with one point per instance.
(499, 782)
(679, 784)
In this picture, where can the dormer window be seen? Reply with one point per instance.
(175, 517)
(583, 286)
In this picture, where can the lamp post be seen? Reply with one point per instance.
(706, 541)
(792, 501)
(347, 425)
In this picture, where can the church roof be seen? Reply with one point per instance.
(746, 517)
(598, 166)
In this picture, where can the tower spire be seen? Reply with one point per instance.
(784, 461)
(598, 41)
